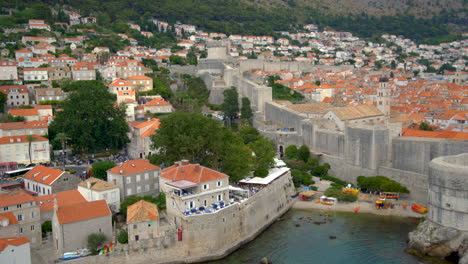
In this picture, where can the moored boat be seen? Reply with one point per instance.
(70, 256)
(327, 200)
(419, 208)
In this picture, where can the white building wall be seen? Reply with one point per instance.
(16, 255)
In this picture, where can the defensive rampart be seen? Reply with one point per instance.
(445, 231)
(209, 236)
(357, 151)
(448, 191)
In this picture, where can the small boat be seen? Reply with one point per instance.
(356, 209)
(389, 195)
(351, 191)
(307, 195)
(70, 256)
(327, 200)
(295, 195)
(419, 208)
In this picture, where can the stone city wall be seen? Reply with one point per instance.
(210, 236)
(267, 65)
(414, 154)
(448, 191)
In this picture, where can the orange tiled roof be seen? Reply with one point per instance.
(24, 112)
(158, 101)
(119, 82)
(82, 211)
(142, 211)
(23, 125)
(20, 139)
(434, 134)
(64, 198)
(14, 198)
(10, 216)
(12, 241)
(9, 88)
(139, 77)
(133, 166)
(43, 174)
(191, 172)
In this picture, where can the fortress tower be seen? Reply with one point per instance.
(383, 96)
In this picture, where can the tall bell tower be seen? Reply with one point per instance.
(384, 96)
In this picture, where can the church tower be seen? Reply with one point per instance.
(383, 96)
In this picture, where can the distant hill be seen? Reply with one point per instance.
(427, 21)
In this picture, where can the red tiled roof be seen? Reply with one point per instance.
(20, 139)
(10, 216)
(65, 198)
(14, 198)
(191, 172)
(133, 166)
(142, 211)
(158, 101)
(12, 241)
(139, 77)
(24, 112)
(43, 174)
(82, 211)
(434, 134)
(119, 82)
(8, 88)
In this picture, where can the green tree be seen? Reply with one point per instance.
(246, 110)
(425, 126)
(249, 134)
(123, 237)
(321, 170)
(99, 169)
(202, 140)
(230, 105)
(3, 100)
(264, 151)
(10, 118)
(46, 227)
(91, 119)
(129, 200)
(380, 183)
(291, 152)
(177, 60)
(303, 153)
(95, 241)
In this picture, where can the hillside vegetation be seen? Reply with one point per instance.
(421, 20)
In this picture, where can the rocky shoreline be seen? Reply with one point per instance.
(438, 241)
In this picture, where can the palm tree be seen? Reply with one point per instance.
(30, 139)
(62, 137)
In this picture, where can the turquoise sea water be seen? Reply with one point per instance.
(360, 238)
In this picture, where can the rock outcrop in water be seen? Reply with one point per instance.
(435, 240)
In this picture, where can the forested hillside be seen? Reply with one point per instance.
(419, 20)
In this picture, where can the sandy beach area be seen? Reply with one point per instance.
(366, 206)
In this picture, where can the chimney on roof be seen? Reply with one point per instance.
(121, 171)
(184, 162)
(88, 184)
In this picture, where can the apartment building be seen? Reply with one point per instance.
(17, 95)
(8, 70)
(135, 177)
(26, 220)
(16, 149)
